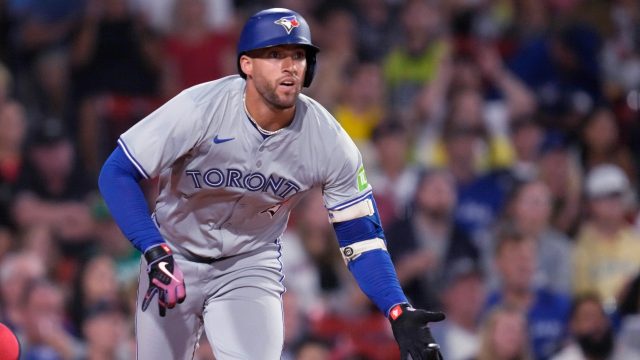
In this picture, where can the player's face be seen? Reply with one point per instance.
(278, 73)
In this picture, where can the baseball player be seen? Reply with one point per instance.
(233, 156)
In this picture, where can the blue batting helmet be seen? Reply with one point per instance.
(278, 26)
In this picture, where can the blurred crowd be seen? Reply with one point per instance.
(501, 137)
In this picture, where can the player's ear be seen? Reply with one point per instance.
(246, 65)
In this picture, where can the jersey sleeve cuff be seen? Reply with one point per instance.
(345, 204)
(131, 158)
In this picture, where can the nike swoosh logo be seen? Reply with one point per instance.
(217, 140)
(163, 267)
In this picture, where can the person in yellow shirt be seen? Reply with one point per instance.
(607, 253)
(416, 59)
(492, 148)
(362, 106)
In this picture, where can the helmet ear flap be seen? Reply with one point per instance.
(311, 70)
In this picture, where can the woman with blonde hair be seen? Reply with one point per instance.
(503, 335)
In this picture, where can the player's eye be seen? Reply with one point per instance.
(299, 55)
(273, 54)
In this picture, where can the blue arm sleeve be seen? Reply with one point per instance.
(373, 270)
(377, 278)
(118, 183)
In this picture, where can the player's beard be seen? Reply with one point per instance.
(269, 92)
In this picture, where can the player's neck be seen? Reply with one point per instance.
(266, 116)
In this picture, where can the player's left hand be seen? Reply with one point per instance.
(410, 328)
(165, 279)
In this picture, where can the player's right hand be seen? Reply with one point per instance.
(165, 279)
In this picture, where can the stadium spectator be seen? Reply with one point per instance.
(52, 92)
(415, 61)
(41, 25)
(311, 256)
(503, 335)
(481, 195)
(117, 62)
(592, 334)
(95, 284)
(469, 134)
(547, 312)
(562, 68)
(54, 192)
(518, 100)
(375, 20)
(621, 68)
(338, 54)
(602, 144)
(468, 110)
(17, 270)
(106, 333)
(38, 27)
(607, 252)
(529, 209)
(474, 88)
(44, 332)
(426, 242)
(500, 22)
(313, 349)
(193, 52)
(393, 176)
(559, 169)
(526, 137)
(160, 14)
(362, 104)
(463, 294)
(296, 324)
(114, 52)
(621, 49)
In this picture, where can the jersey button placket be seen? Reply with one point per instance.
(259, 162)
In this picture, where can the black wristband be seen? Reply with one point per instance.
(157, 252)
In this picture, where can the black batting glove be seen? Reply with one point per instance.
(165, 279)
(410, 328)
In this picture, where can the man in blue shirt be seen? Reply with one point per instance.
(547, 312)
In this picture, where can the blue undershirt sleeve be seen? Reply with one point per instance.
(377, 278)
(118, 183)
(373, 270)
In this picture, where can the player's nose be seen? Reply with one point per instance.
(289, 64)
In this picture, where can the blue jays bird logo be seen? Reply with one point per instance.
(288, 23)
(274, 209)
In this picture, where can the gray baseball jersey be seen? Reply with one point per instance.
(224, 188)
